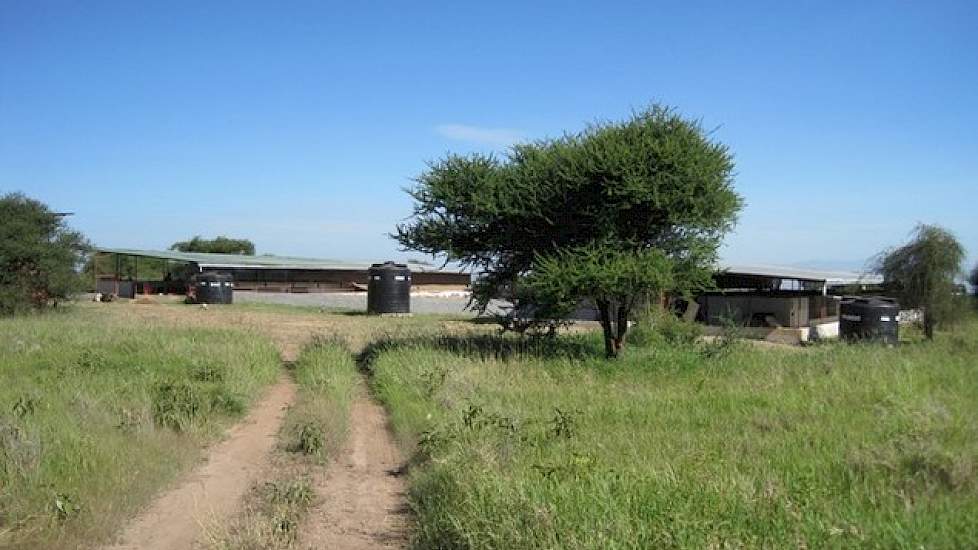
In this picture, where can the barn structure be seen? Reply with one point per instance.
(772, 296)
(127, 272)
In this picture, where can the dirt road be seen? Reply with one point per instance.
(362, 500)
(213, 490)
(362, 496)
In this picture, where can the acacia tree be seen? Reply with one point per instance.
(921, 273)
(39, 255)
(612, 213)
(218, 245)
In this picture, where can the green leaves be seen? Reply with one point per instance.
(614, 211)
(599, 272)
(38, 255)
(219, 245)
(922, 273)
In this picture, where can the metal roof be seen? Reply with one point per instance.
(210, 260)
(228, 261)
(801, 274)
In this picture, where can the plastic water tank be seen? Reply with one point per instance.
(213, 288)
(389, 288)
(873, 319)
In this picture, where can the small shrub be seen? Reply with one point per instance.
(659, 327)
(310, 439)
(90, 360)
(177, 404)
(208, 373)
(65, 506)
(292, 493)
(564, 423)
(225, 401)
(25, 405)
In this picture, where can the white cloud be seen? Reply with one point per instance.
(486, 136)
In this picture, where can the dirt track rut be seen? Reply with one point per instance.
(362, 494)
(362, 500)
(213, 491)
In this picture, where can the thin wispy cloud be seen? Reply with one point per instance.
(496, 137)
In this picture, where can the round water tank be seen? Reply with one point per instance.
(213, 288)
(874, 319)
(389, 288)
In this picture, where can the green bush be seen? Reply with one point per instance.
(309, 438)
(658, 327)
(177, 404)
(38, 256)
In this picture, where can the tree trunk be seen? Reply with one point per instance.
(614, 324)
(928, 325)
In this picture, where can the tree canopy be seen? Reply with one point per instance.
(218, 245)
(921, 273)
(39, 256)
(614, 213)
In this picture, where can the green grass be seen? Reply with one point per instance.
(327, 377)
(97, 415)
(525, 446)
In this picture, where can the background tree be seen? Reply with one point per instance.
(39, 256)
(218, 245)
(921, 273)
(612, 213)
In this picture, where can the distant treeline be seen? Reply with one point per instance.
(218, 245)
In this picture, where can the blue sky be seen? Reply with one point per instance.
(297, 124)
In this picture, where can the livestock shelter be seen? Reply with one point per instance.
(770, 296)
(126, 272)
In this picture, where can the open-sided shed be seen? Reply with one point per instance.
(126, 271)
(777, 296)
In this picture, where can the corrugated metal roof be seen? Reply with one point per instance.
(785, 272)
(288, 262)
(210, 260)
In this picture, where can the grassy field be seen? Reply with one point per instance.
(97, 414)
(694, 446)
(514, 444)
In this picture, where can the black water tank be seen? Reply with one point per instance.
(389, 289)
(213, 288)
(874, 319)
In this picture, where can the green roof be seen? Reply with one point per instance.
(206, 259)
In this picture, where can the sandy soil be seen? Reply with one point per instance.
(213, 490)
(362, 495)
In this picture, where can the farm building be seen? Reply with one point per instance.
(768, 296)
(126, 272)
